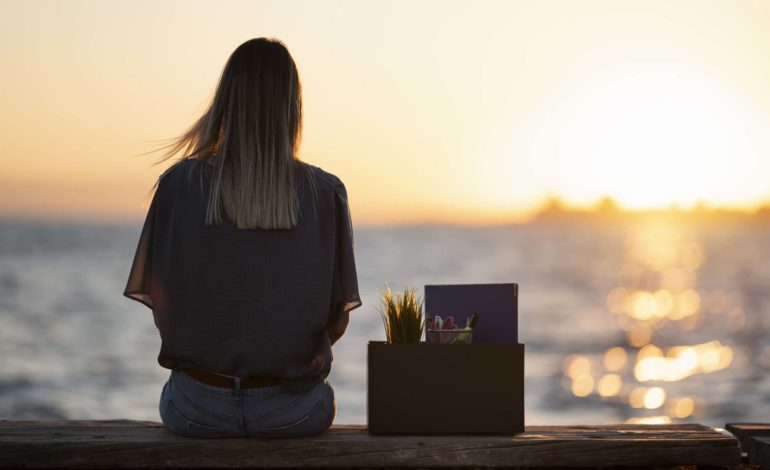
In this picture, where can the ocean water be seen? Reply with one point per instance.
(644, 322)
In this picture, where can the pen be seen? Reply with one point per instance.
(465, 335)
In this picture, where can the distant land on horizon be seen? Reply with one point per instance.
(552, 211)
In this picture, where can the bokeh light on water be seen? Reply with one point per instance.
(657, 295)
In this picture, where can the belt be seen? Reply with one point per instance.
(228, 382)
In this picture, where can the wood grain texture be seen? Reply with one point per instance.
(147, 444)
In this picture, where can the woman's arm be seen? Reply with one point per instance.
(337, 329)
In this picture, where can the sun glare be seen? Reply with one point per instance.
(650, 135)
(657, 136)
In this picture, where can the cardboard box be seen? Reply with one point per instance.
(425, 388)
(476, 388)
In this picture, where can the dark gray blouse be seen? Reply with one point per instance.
(246, 302)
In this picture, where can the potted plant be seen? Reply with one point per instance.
(402, 315)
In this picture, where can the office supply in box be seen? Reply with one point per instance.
(457, 336)
(452, 388)
(496, 304)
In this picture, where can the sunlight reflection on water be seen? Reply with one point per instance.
(649, 323)
(658, 292)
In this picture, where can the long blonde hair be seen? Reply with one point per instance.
(251, 133)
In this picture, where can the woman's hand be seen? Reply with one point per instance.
(318, 362)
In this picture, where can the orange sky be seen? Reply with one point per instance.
(428, 111)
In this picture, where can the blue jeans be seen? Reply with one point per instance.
(196, 409)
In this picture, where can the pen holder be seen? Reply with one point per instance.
(455, 336)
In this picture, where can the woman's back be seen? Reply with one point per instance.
(246, 302)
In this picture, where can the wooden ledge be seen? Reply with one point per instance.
(147, 444)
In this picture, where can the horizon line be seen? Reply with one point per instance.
(549, 212)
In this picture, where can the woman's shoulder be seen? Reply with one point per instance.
(172, 171)
(326, 177)
(186, 167)
(177, 171)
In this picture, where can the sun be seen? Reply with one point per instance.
(653, 137)
(649, 135)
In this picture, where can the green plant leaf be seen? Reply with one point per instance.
(402, 315)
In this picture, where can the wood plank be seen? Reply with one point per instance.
(143, 444)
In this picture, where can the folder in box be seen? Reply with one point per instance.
(496, 304)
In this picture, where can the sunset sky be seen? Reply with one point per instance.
(465, 112)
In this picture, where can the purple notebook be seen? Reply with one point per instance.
(496, 304)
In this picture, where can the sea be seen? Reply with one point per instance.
(647, 322)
